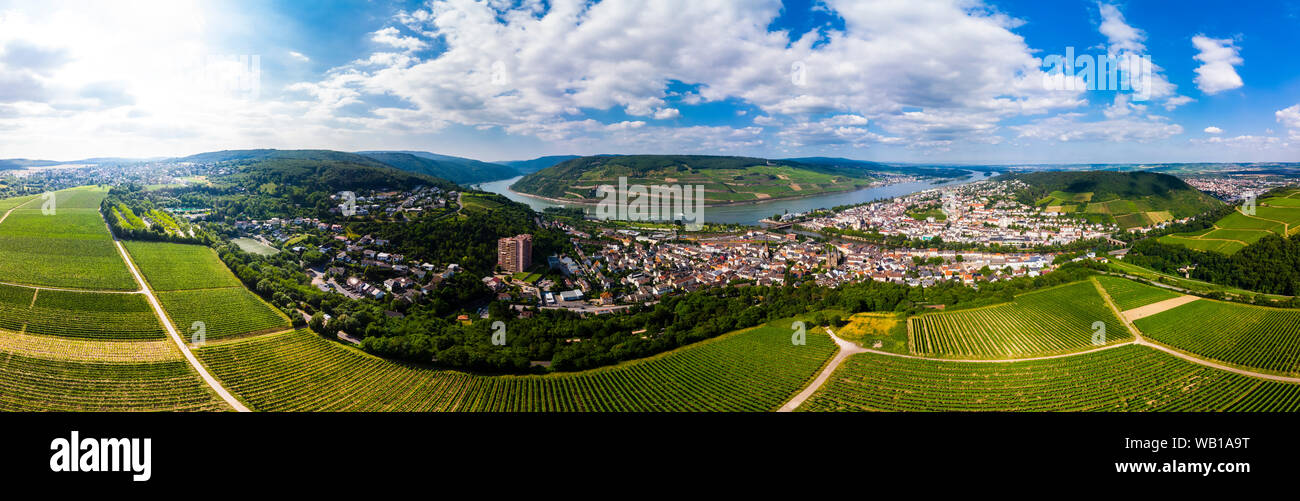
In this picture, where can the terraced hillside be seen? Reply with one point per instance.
(1042, 322)
(752, 370)
(69, 248)
(1277, 214)
(1245, 335)
(193, 285)
(1124, 378)
(1127, 199)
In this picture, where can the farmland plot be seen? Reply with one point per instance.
(1050, 321)
(1124, 378)
(70, 249)
(169, 267)
(1128, 294)
(753, 370)
(1250, 336)
(30, 384)
(228, 312)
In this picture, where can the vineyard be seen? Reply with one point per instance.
(91, 315)
(82, 350)
(228, 312)
(753, 370)
(170, 267)
(1043, 322)
(84, 197)
(1251, 336)
(1128, 294)
(70, 248)
(34, 384)
(1124, 378)
(10, 203)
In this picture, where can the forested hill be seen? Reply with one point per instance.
(1103, 185)
(536, 164)
(1129, 199)
(726, 179)
(312, 170)
(867, 165)
(459, 170)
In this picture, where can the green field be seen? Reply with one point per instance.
(70, 248)
(921, 215)
(1220, 246)
(169, 267)
(33, 384)
(753, 370)
(1128, 294)
(1124, 378)
(1197, 286)
(254, 246)
(11, 203)
(1245, 335)
(1042, 322)
(233, 311)
(1278, 215)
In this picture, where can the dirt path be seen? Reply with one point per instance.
(997, 360)
(847, 348)
(1154, 308)
(1207, 363)
(176, 337)
(16, 207)
(1110, 303)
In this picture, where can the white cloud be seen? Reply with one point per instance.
(1066, 127)
(1217, 56)
(1124, 42)
(667, 114)
(1121, 36)
(391, 36)
(1176, 101)
(955, 60)
(299, 56)
(1213, 130)
(1289, 117)
(1244, 141)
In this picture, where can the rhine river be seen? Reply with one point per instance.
(750, 214)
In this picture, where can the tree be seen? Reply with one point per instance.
(317, 322)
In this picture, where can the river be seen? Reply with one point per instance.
(750, 214)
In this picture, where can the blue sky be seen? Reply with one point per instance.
(942, 81)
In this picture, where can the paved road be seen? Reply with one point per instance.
(176, 337)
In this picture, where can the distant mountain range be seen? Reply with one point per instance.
(23, 163)
(457, 169)
(536, 164)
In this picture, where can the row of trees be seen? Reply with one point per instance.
(572, 342)
(1271, 265)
